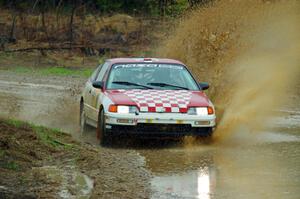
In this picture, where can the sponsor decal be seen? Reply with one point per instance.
(147, 65)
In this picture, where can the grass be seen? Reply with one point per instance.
(46, 135)
(50, 137)
(66, 71)
(26, 63)
(55, 71)
(15, 123)
(45, 138)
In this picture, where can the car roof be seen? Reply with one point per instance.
(146, 60)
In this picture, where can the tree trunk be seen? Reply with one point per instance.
(71, 25)
(57, 14)
(13, 25)
(14, 16)
(44, 27)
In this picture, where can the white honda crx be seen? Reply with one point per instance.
(145, 96)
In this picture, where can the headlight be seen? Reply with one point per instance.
(201, 111)
(122, 109)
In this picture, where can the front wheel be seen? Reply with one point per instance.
(101, 129)
(206, 135)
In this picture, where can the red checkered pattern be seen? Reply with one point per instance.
(169, 101)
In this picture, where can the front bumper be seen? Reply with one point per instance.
(160, 123)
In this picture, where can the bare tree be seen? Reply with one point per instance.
(57, 13)
(13, 9)
(71, 32)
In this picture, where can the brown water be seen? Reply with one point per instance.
(267, 170)
(248, 50)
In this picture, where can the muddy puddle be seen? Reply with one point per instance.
(71, 183)
(54, 105)
(267, 168)
(247, 165)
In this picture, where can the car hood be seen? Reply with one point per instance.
(172, 101)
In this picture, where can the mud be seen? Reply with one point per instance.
(56, 166)
(72, 183)
(53, 102)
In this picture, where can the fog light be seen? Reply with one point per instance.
(202, 122)
(124, 121)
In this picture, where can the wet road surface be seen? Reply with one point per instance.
(249, 165)
(262, 170)
(49, 101)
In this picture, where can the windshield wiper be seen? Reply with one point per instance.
(131, 84)
(166, 85)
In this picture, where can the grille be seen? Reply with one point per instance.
(176, 128)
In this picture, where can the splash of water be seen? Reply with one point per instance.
(248, 50)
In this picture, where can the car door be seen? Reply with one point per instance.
(87, 93)
(97, 93)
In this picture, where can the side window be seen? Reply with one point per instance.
(95, 73)
(102, 71)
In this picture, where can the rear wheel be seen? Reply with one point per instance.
(83, 124)
(101, 130)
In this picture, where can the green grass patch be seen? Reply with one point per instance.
(22, 70)
(55, 71)
(15, 123)
(51, 137)
(47, 136)
(65, 71)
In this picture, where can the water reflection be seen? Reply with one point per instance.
(198, 180)
(192, 184)
(203, 184)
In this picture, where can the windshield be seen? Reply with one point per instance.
(151, 76)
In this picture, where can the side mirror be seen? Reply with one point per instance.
(204, 85)
(98, 84)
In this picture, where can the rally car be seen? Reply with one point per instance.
(145, 96)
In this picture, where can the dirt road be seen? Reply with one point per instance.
(248, 165)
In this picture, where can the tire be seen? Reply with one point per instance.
(206, 136)
(101, 130)
(210, 132)
(82, 122)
